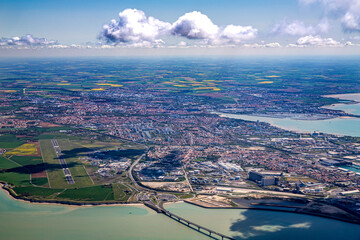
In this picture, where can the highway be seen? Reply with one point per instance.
(63, 164)
(132, 177)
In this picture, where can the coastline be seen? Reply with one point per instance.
(346, 96)
(11, 194)
(355, 221)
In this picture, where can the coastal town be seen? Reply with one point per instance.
(157, 146)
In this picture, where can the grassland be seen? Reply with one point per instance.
(96, 193)
(12, 173)
(121, 192)
(26, 173)
(26, 160)
(36, 191)
(40, 182)
(9, 141)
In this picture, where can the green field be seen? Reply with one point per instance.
(18, 179)
(9, 141)
(26, 160)
(36, 191)
(16, 169)
(6, 164)
(97, 193)
(12, 173)
(40, 181)
(121, 192)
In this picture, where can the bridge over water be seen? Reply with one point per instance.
(192, 225)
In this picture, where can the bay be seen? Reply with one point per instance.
(23, 220)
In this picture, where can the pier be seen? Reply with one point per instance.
(192, 225)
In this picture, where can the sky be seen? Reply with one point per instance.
(187, 26)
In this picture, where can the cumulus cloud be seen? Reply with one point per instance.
(27, 40)
(237, 34)
(317, 41)
(348, 11)
(133, 27)
(298, 28)
(195, 25)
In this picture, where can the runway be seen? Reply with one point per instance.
(63, 164)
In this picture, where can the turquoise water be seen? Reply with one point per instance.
(339, 126)
(348, 108)
(22, 220)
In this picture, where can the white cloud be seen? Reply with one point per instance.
(237, 34)
(298, 28)
(263, 45)
(134, 27)
(347, 10)
(27, 40)
(317, 41)
(195, 25)
(182, 44)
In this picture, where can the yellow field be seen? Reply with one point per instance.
(109, 84)
(265, 82)
(8, 91)
(97, 89)
(24, 150)
(272, 76)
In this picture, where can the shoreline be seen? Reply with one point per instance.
(282, 210)
(345, 96)
(118, 204)
(226, 115)
(11, 194)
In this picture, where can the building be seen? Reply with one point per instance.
(265, 178)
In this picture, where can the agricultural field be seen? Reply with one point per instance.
(27, 149)
(97, 193)
(13, 173)
(31, 166)
(9, 141)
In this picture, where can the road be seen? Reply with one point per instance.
(139, 188)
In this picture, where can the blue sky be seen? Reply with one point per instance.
(284, 22)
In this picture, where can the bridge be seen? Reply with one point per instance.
(192, 225)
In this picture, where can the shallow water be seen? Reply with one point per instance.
(22, 220)
(338, 126)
